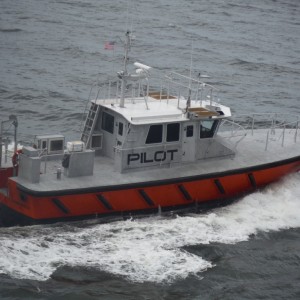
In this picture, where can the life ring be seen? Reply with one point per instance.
(15, 158)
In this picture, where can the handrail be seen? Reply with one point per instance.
(164, 84)
(235, 131)
(278, 121)
(190, 79)
(275, 120)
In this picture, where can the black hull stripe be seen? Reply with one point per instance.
(146, 197)
(60, 205)
(104, 202)
(219, 186)
(184, 192)
(252, 180)
(100, 189)
(9, 217)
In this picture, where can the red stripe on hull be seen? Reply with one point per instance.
(130, 200)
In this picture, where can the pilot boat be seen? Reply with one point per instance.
(146, 150)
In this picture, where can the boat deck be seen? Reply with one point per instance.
(250, 152)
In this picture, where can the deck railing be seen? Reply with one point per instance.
(278, 125)
(231, 131)
(166, 86)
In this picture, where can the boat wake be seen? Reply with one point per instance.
(148, 249)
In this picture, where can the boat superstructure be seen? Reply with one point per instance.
(147, 145)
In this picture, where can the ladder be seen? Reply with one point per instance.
(90, 123)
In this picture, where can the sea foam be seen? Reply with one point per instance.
(148, 249)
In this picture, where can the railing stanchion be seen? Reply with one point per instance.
(109, 87)
(117, 92)
(283, 135)
(6, 149)
(296, 132)
(273, 126)
(267, 141)
(45, 165)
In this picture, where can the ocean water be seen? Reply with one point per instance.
(51, 52)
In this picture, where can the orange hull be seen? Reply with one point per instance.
(5, 173)
(29, 207)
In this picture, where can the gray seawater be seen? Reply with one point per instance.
(51, 52)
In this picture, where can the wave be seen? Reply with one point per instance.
(74, 116)
(151, 249)
(10, 30)
(25, 111)
(3, 91)
(253, 66)
(50, 21)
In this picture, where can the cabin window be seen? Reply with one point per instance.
(208, 128)
(108, 122)
(56, 145)
(189, 130)
(154, 134)
(96, 142)
(42, 144)
(173, 132)
(120, 130)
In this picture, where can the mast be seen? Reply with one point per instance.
(124, 74)
(188, 102)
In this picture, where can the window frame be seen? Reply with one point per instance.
(54, 143)
(186, 132)
(167, 131)
(112, 121)
(162, 134)
(209, 133)
(120, 128)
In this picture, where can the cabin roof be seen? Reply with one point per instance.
(158, 111)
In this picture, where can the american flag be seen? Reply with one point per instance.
(109, 45)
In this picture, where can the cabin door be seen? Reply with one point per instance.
(188, 142)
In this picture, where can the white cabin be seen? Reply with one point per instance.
(156, 133)
(140, 127)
